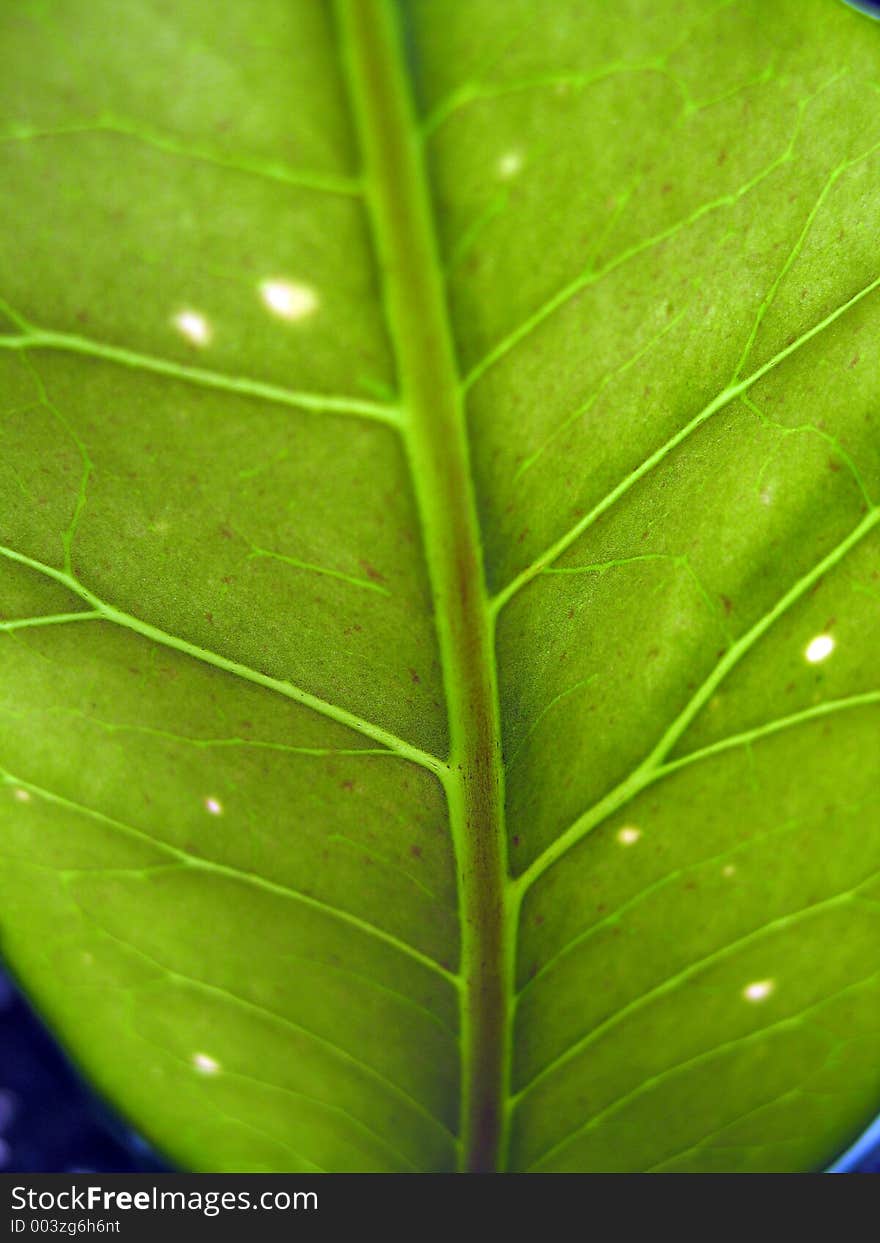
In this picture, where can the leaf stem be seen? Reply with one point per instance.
(436, 440)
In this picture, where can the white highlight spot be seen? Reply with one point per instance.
(289, 299)
(214, 806)
(819, 649)
(22, 796)
(205, 1065)
(729, 869)
(760, 990)
(510, 164)
(629, 835)
(193, 326)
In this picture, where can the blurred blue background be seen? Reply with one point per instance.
(51, 1123)
(871, 7)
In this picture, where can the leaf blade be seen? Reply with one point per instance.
(672, 448)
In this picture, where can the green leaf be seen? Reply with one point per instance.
(441, 591)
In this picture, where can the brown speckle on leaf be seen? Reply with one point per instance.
(371, 572)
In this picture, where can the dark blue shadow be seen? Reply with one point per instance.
(871, 7)
(49, 1121)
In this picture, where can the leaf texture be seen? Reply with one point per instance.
(440, 591)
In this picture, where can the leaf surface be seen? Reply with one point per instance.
(440, 576)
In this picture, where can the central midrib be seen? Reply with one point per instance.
(433, 429)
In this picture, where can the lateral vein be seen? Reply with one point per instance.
(653, 767)
(276, 1016)
(687, 973)
(334, 712)
(699, 1059)
(50, 619)
(187, 859)
(724, 398)
(242, 386)
(813, 713)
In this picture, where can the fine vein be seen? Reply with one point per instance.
(111, 123)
